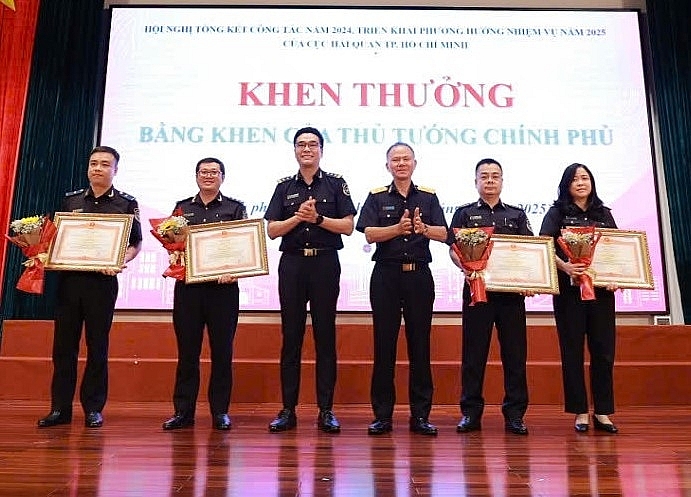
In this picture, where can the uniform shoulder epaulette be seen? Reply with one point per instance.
(75, 192)
(379, 190)
(467, 205)
(127, 196)
(185, 200)
(283, 180)
(513, 206)
(235, 200)
(333, 175)
(426, 189)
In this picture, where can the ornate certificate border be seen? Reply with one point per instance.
(89, 242)
(231, 247)
(622, 258)
(519, 263)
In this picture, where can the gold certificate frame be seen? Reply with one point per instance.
(231, 247)
(89, 242)
(622, 258)
(522, 263)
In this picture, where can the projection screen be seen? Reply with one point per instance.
(534, 89)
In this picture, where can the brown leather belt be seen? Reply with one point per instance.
(409, 266)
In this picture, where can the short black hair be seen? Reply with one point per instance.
(107, 150)
(210, 160)
(309, 129)
(399, 144)
(487, 161)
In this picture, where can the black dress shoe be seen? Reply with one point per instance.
(285, 420)
(327, 422)
(179, 420)
(467, 424)
(516, 426)
(222, 422)
(608, 427)
(56, 417)
(379, 427)
(581, 427)
(422, 426)
(93, 420)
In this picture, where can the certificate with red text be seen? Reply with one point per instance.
(89, 242)
(621, 258)
(237, 248)
(522, 263)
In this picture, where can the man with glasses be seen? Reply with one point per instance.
(213, 304)
(310, 211)
(506, 311)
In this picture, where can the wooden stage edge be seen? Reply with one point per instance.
(652, 365)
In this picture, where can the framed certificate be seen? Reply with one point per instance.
(518, 263)
(621, 257)
(89, 242)
(231, 247)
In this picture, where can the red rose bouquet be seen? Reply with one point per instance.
(473, 247)
(33, 236)
(172, 233)
(578, 243)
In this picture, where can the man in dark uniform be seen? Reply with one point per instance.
(215, 304)
(505, 310)
(88, 298)
(401, 219)
(310, 210)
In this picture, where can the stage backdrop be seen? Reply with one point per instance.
(536, 90)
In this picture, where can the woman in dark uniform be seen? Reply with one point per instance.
(577, 320)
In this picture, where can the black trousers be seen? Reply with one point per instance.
(85, 299)
(195, 306)
(392, 293)
(507, 313)
(315, 280)
(594, 321)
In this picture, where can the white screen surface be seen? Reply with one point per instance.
(536, 90)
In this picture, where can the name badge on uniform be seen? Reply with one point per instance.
(388, 208)
(475, 218)
(292, 196)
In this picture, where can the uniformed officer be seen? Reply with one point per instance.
(88, 298)
(401, 219)
(213, 304)
(579, 205)
(506, 311)
(310, 210)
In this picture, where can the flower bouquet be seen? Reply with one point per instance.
(578, 243)
(33, 236)
(172, 233)
(473, 247)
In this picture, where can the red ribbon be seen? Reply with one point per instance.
(32, 279)
(176, 250)
(474, 270)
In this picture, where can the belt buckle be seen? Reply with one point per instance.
(309, 252)
(408, 266)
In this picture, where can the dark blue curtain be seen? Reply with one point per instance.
(669, 24)
(63, 103)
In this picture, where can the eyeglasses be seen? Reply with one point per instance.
(304, 145)
(209, 174)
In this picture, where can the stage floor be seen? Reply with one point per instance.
(132, 456)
